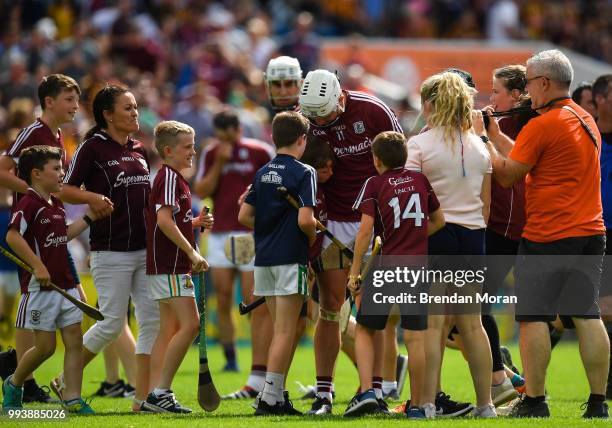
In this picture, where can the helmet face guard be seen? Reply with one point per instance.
(283, 102)
(320, 94)
(283, 68)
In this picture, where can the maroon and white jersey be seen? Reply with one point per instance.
(351, 137)
(400, 201)
(121, 173)
(43, 226)
(169, 189)
(320, 213)
(37, 134)
(247, 157)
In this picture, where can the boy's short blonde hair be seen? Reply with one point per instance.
(166, 132)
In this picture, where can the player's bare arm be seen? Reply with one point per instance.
(246, 215)
(8, 179)
(205, 220)
(485, 197)
(25, 253)
(99, 205)
(208, 184)
(362, 241)
(78, 226)
(435, 222)
(308, 224)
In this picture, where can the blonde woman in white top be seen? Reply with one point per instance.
(458, 166)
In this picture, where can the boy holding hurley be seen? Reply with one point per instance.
(171, 257)
(400, 206)
(282, 238)
(39, 236)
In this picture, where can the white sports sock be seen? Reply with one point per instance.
(388, 386)
(273, 389)
(257, 380)
(325, 388)
(160, 391)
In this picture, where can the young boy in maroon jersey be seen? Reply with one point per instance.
(396, 205)
(58, 95)
(171, 256)
(38, 235)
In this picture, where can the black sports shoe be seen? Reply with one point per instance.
(128, 391)
(595, 409)
(265, 409)
(32, 393)
(320, 407)
(164, 403)
(383, 408)
(8, 363)
(447, 408)
(524, 410)
(287, 407)
(111, 390)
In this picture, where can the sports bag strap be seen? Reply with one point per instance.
(584, 125)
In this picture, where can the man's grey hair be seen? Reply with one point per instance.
(552, 64)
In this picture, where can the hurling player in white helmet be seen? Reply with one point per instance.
(283, 80)
(348, 121)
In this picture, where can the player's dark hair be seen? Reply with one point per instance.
(36, 157)
(513, 77)
(465, 75)
(287, 127)
(104, 101)
(577, 94)
(601, 85)
(317, 153)
(390, 148)
(226, 119)
(53, 85)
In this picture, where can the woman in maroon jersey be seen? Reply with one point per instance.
(110, 163)
(507, 216)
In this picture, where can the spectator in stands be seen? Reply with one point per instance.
(583, 96)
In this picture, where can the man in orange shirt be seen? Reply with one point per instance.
(560, 255)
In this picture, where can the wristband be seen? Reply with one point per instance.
(88, 220)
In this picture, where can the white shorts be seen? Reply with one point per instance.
(165, 286)
(283, 280)
(9, 281)
(47, 311)
(216, 252)
(345, 231)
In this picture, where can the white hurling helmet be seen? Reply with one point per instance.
(320, 94)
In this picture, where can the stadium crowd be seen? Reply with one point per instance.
(165, 78)
(186, 58)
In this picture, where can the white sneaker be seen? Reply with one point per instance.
(503, 392)
(430, 410)
(487, 411)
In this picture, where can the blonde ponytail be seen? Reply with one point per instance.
(452, 103)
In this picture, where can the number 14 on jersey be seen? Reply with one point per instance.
(412, 210)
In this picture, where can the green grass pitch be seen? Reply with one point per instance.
(567, 387)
